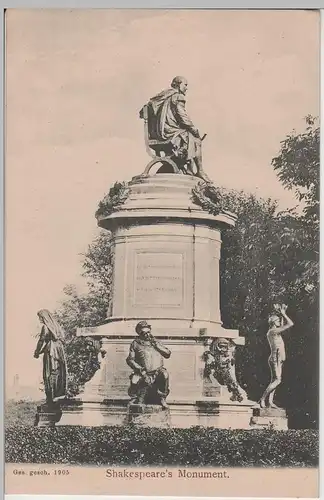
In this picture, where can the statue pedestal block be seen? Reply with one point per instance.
(95, 413)
(185, 368)
(211, 412)
(219, 413)
(193, 400)
(275, 418)
(166, 261)
(148, 415)
(48, 415)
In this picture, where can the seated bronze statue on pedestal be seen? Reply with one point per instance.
(150, 380)
(170, 136)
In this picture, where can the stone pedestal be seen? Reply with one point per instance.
(95, 413)
(166, 253)
(185, 368)
(48, 415)
(211, 412)
(166, 261)
(181, 413)
(148, 415)
(274, 418)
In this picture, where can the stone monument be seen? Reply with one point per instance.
(166, 254)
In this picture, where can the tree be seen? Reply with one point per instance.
(86, 310)
(298, 167)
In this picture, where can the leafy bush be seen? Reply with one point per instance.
(128, 445)
(81, 368)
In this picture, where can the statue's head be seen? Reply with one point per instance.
(274, 320)
(143, 330)
(222, 346)
(180, 83)
(43, 315)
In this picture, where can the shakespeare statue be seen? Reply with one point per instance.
(278, 323)
(51, 345)
(170, 132)
(220, 362)
(150, 380)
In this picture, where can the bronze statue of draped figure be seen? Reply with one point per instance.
(170, 133)
(51, 345)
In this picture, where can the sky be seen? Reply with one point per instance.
(75, 82)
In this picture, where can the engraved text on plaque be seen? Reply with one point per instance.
(159, 279)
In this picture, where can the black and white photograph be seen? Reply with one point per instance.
(162, 252)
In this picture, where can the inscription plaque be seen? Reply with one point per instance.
(158, 279)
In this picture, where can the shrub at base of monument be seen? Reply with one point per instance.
(132, 445)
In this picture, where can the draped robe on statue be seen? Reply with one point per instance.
(51, 345)
(168, 120)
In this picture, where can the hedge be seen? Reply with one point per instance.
(128, 445)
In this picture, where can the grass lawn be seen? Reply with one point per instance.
(20, 413)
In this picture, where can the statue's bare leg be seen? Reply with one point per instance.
(271, 403)
(262, 402)
(278, 378)
(276, 370)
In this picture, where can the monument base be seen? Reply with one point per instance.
(95, 413)
(185, 367)
(148, 415)
(206, 412)
(272, 418)
(217, 413)
(48, 415)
